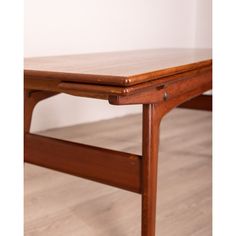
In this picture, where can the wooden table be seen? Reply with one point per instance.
(159, 79)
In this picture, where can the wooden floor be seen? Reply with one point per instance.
(57, 204)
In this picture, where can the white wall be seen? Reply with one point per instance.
(54, 27)
(203, 25)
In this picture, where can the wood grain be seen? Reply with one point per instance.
(118, 68)
(201, 82)
(104, 91)
(60, 204)
(160, 79)
(203, 102)
(102, 165)
(151, 122)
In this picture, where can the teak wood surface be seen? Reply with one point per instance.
(159, 79)
(118, 68)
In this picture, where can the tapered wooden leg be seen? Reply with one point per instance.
(151, 122)
(31, 98)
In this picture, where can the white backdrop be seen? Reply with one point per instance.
(54, 27)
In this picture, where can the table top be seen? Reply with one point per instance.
(125, 68)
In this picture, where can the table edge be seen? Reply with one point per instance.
(111, 80)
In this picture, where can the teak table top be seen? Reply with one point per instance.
(119, 69)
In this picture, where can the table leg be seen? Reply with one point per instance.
(151, 122)
(31, 98)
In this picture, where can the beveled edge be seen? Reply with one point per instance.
(110, 80)
(103, 91)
